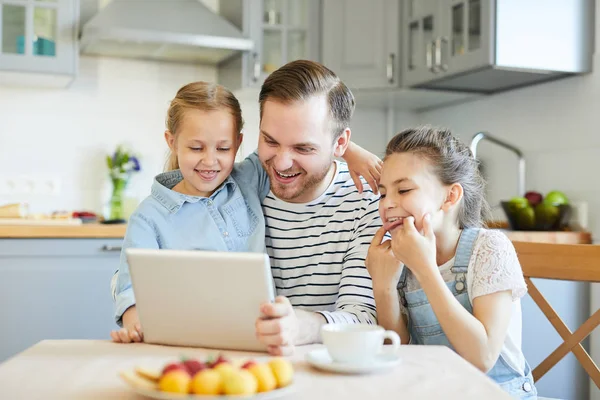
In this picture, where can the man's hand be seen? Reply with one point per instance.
(131, 330)
(278, 327)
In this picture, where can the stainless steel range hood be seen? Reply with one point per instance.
(173, 30)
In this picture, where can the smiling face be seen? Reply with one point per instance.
(296, 147)
(205, 144)
(409, 187)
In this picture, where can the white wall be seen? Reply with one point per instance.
(65, 134)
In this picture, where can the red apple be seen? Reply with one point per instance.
(248, 364)
(194, 366)
(534, 198)
(174, 366)
(219, 360)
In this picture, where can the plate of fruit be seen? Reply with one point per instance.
(213, 378)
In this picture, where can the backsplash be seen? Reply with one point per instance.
(62, 136)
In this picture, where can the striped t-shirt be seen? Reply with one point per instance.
(318, 249)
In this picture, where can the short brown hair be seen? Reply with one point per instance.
(201, 96)
(302, 79)
(452, 162)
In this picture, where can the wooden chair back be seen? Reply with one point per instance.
(571, 262)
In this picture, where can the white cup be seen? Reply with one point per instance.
(356, 343)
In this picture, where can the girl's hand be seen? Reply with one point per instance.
(416, 250)
(384, 268)
(131, 330)
(365, 164)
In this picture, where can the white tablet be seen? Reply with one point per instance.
(200, 298)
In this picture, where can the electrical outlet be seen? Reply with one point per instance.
(25, 184)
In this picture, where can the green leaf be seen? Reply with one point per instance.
(109, 162)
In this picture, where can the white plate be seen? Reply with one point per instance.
(157, 394)
(321, 359)
(140, 386)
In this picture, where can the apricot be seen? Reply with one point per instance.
(207, 381)
(282, 370)
(264, 377)
(240, 382)
(175, 381)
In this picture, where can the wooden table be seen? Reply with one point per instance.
(87, 369)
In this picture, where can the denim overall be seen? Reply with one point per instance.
(424, 327)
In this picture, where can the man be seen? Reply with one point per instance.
(318, 225)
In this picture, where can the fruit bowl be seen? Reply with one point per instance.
(220, 378)
(543, 217)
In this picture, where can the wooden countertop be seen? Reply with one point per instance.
(117, 231)
(83, 231)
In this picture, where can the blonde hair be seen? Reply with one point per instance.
(201, 96)
(452, 162)
(302, 79)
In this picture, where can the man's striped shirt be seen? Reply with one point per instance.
(318, 249)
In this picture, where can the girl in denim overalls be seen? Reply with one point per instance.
(462, 284)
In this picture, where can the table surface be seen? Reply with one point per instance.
(88, 369)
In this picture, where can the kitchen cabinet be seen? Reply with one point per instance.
(282, 31)
(486, 46)
(444, 37)
(361, 42)
(38, 41)
(55, 289)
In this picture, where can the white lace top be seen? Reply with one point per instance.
(493, 267)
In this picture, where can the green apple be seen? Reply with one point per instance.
(546, 215)
(556, 198)
(525, 218)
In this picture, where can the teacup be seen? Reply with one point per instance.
(356, 343)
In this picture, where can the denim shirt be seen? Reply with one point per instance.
(231, 219)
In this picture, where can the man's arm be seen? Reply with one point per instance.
(355, 303)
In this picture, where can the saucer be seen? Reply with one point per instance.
(320, 359)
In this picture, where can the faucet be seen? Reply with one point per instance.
(479, 136)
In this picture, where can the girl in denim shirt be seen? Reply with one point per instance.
(205, 201)
(462, 283)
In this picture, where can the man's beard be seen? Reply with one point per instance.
(299, 187)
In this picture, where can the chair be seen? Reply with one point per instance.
(571, 262)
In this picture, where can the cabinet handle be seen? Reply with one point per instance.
(390, 68)
(256, 69)
(107, 248)
(440, 65)
(429, 55)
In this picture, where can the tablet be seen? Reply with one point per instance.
(200, 298)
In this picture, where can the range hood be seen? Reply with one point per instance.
(172, 30)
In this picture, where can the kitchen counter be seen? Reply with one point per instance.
(63, 231)
(118, 231)
(560, 237)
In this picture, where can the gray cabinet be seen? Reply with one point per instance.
(38, 39)
(282, 31)
(55, 289)
(361, 42)
(422, 25)
(486, 46)
(444, 37)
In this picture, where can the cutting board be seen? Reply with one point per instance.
(40, 222)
